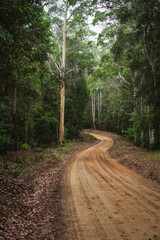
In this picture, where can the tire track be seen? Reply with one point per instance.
(103, 200)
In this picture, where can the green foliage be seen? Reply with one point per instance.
(25, 147)
(5, 143)
(119, 152)
(154, 155)
(57, 157)
(25, 40)
(39, 157)
(64, 150)
(5, 138)
(26, 44)
(5, 164)
(129, 133)
(129, 72)
(76, 92)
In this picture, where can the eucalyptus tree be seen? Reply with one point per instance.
(142, 42)
(135, 42)
(68, 20)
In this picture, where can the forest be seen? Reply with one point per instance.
(58, 76)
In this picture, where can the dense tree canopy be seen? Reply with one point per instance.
(30, 83)
(131, 36)
(112, 85)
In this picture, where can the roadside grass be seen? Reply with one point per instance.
(69, 146)
(152, 171)
(143, 161)
(155, 156)
(15, 163)
(120, 151)
(64, 150)
(124, 149)
(54, 155)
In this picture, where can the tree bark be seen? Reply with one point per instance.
(14, 131)
(93, 110)
(62, 81)
(61, 128)
(99, 109)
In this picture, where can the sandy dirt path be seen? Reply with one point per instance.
(103, 200)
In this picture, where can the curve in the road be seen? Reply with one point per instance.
(103, 200)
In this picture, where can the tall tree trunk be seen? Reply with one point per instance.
(135, 104)
(151, 133)
(143, 138)
(26, 128)
(14, 131)
(99, 107)
(93, 110)
(62, 81)
(61, 127)
(157, 120)
(152, 63)
(142, 130)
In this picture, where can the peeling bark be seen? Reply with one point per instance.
(62, 82)
(61, 128)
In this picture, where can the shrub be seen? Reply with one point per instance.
(25, 147)
(5, 143)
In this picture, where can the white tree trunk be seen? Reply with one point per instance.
(151, 132)
(99, 107)
(93, 110)
(135, 104)
(62, 83)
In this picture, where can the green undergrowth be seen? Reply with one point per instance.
(15, 163)
(15, 166)
(155, 156)
(145, 161)
(64, 150)
(124, 149)
(152, 155)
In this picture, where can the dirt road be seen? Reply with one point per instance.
(103, 200)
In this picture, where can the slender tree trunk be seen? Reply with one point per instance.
(152, 63)
(157, 120)
(62, 81)
(135, 104)
(61, 128)
(26, 127)
(99, 107)
(143, 139)
(14, 131)
(93, 110)
(151, 133)
(142, 130)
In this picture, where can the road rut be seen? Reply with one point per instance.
(104, 200)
